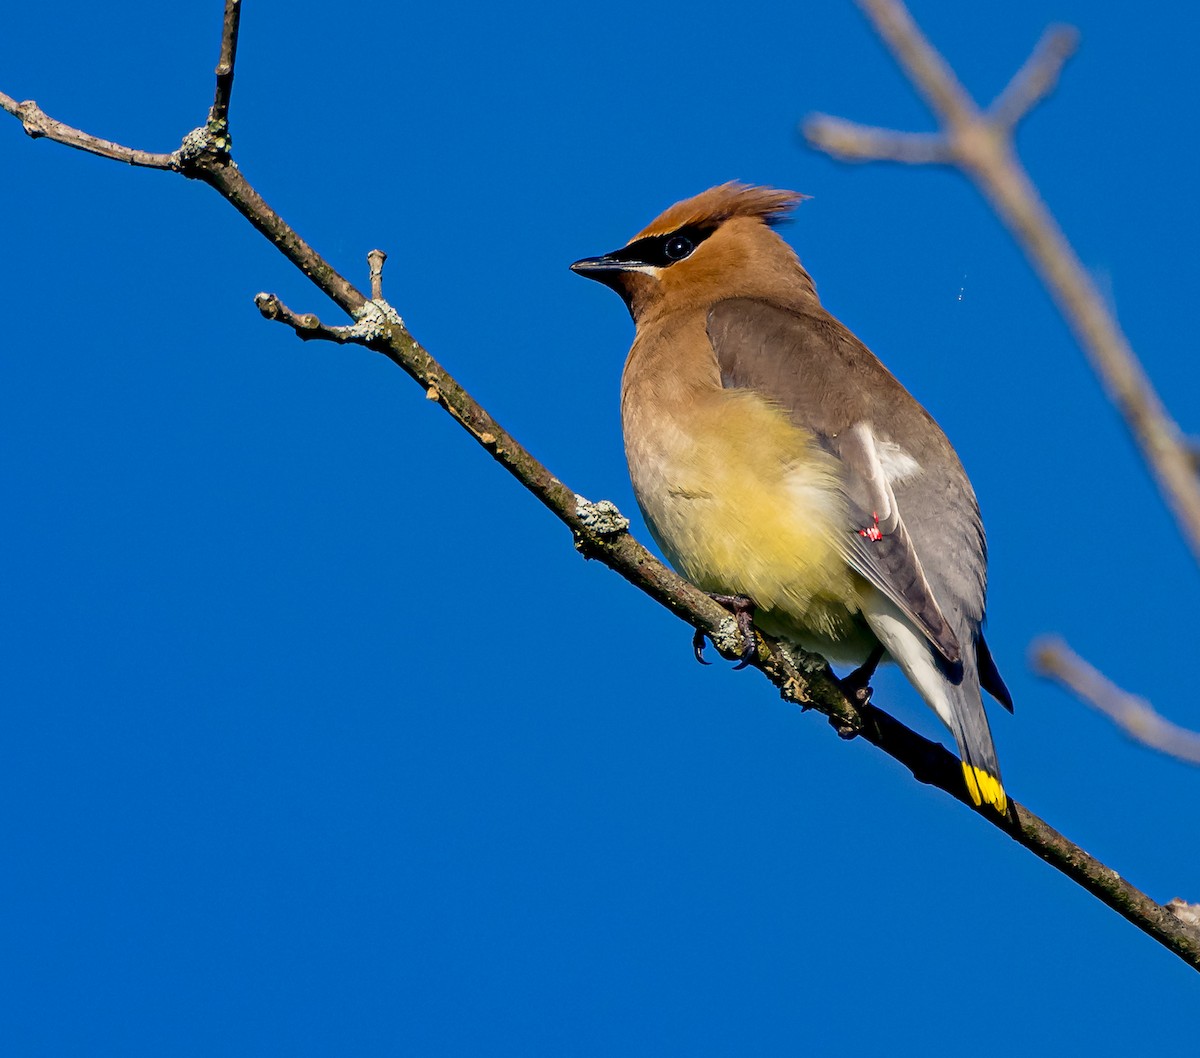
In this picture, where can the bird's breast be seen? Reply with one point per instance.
(742, 501)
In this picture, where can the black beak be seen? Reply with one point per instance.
(613, 270)
(594, 267)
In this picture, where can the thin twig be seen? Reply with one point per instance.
(1037, 78)
(930, 74)
(852, 142)
(306, 324)
(38, 124)
(601, 533)
(218, 116)
(375, 261)
(1052, 658)
(981, 146)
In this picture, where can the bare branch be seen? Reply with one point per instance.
(1037, 78)
(981, 146)
(851, 142)
(1053, 659)
(372, 319)
(375, 260)
(38, 124)
(306, 325)
(931, 763)
(930, 74)
(218, 116)
(227, 179)
(600, 532)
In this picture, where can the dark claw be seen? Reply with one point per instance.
(698, 647)
(843, 730)
(857, 685)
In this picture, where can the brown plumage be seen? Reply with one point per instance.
(775, 458)
(718, 204)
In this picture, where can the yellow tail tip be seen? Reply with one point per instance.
(985, 788)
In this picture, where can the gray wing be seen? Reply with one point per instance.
(896, 463)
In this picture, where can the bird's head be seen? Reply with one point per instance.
(716, 245)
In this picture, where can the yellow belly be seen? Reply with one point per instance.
(742, 502)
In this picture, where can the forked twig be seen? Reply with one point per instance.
(979, 143)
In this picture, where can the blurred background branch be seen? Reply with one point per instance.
(979, 143)
(1053, 659)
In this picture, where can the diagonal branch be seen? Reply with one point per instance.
(601, 533)
(1135, 716)
(930, 74)
(980, 144)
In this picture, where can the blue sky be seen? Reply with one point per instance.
(319, 738)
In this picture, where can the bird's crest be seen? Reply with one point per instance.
(719, 204)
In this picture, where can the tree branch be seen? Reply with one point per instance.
(980, 145)
(851, 142)
(308, 326)
(1054, 660)
(218, 115)
(38, 124)
(601, 533)
(1037, 78)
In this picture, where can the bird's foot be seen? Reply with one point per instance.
(843, 729)
(856, 685)
(742, 609)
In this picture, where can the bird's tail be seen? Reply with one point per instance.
(953, 692)
(969, 724)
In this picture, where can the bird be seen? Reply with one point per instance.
(783, 469)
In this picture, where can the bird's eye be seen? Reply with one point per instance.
(678, 247)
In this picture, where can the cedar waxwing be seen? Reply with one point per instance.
(780, 466)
